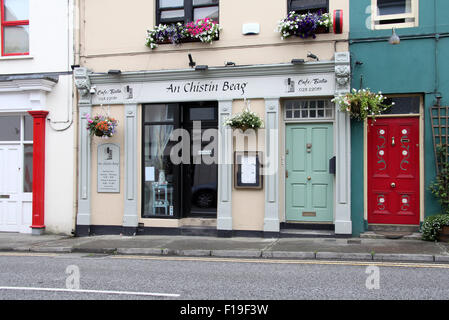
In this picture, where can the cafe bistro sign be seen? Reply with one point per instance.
(216, 89)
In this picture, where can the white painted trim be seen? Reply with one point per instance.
(130, 214)
(225, 152)
(271, 217)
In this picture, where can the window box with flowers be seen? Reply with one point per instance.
(101, 126)
(304, 25)
(202, 30)
(363, 103)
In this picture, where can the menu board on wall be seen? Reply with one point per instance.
(108, 169)
(247, 170)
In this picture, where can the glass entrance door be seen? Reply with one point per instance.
(200, 174)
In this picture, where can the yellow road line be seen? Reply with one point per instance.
(250, 260)
(28, 254)
(286, 261)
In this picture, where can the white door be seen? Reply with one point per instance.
(15, 205)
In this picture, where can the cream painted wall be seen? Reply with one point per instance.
(248, 206)
(108, 208)
(118, 41)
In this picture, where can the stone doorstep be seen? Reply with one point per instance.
(391, 235)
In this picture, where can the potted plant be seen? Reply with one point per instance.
(165, 33)
(439, 224)
(245, 120)
(101, 126)
(205, 30)
(304, 25)
(362, 104)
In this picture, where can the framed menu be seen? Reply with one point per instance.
(247, 170)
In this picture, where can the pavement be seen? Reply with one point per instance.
(356, 249)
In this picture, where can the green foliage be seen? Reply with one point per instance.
(432, 226)
(440, 186)
(362, 104)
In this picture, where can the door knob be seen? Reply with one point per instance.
(393, 185)
(309, 178)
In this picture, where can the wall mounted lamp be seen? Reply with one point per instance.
(297, 61)
(394, 39)
(229, 64)
(191, 62)
(201, 68)
(311, 55)
(114, 72)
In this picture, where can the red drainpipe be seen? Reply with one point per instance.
(39, 118)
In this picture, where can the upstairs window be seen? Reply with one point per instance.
(14, 27)
(394, 13)
(304, 6)
(173, 11)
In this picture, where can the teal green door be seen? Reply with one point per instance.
(309, 185)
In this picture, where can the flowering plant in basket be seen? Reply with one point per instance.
(303, 25)
(245, 120)
(362, 103)
(206, 30)
(101, 126)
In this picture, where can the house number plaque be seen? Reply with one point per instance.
(108, 180)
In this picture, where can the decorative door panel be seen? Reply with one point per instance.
(309, 186)
(393, 171)
(10, 195)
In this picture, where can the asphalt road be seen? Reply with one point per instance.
(123, 277)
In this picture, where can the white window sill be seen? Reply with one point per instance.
(27, 57)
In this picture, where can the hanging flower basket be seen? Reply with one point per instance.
(204, 30)
(245, 120)
(361, 104)
(304, 25)
(101, 126)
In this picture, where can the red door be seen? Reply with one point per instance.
(393, 171)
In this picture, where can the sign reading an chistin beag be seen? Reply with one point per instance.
(108, 168)
(216, 89)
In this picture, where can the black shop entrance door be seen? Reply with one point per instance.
(200, 175)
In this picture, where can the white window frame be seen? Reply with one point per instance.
(413, 16)
(329, 107)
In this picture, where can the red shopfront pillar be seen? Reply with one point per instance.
(39, 119)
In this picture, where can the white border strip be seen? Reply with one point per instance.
(173, 295)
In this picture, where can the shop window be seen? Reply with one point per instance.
(394, 13)
(15, 27)
(173, 11)
(304, 6)
(308, 109)
(158, 193)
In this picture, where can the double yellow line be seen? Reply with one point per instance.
(249, 260)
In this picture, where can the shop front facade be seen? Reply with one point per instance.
(173, 158)
(174, 163)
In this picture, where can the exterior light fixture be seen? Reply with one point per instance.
(311, 55)
(297, 61)
(394, 39)
(229, 64)
(191, 62)
(114, 72)
(201, 68)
